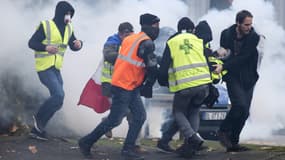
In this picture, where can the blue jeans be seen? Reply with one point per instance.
(123, 102)
(52, 79)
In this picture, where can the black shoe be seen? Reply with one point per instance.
(38, 135)
(130, 154)
(224, 139)
(85, 149)
(185, 151)
(195, 141)
(164, 147)
(238, 148)
(139, 149)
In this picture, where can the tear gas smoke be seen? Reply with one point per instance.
(95, 20)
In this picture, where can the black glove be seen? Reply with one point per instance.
(212, 97)
(146, 90)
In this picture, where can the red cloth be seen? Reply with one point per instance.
(91, 95)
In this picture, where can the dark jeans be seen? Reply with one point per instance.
(239, 112)
(123, 102)
(52, 79)
(169, 129)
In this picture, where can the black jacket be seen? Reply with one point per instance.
(242, 66)
(62, 8)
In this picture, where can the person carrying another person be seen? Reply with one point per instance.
(242, 40)
(185, 71)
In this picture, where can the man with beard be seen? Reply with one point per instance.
(135, 60)
(242, 40)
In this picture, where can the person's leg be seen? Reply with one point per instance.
(119, 109)
(138, 114)
(168, 131)
(108, 134)
(244, 103)
(138, 147)
(192, 141)
(52, 79)
(180, 108)
(194, 113)
(231, 127)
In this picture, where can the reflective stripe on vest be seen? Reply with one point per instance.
(128, 57)
(107, 72)
(213, 60)
(189, 66)
(45, 60)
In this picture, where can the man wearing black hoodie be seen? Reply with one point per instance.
(50, 42)
(242, 40)
(135, 60)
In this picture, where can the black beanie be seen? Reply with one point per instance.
(185, 24)
(148, 19)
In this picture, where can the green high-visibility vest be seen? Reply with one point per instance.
(189, 66)
(45, 60)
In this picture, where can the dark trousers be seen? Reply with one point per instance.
(239, 112)
(123, 103)
(186, 108)
(51, 78)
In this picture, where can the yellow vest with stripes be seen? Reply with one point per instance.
(107, 72)
(189, 66)
(45, 60)
(216, 77)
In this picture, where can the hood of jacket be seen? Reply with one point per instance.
(203, 31)
(61, 9)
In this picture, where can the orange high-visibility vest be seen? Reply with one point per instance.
(129, 69)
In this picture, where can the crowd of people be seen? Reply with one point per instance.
(131, 68)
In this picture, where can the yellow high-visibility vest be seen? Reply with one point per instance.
(216, 77)
(45, 60)
(107, 72)
(189, 66)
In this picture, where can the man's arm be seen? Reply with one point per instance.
(74, 43)
(110, 52)
(146, 52)
(164, 66)
(35, 41)
(245, 57)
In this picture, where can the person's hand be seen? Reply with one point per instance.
(77, 44)
(219, 68)
(146, 91)
(51, 49)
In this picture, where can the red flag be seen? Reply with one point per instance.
(91, 95)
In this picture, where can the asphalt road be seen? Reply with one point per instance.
(24, 148)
